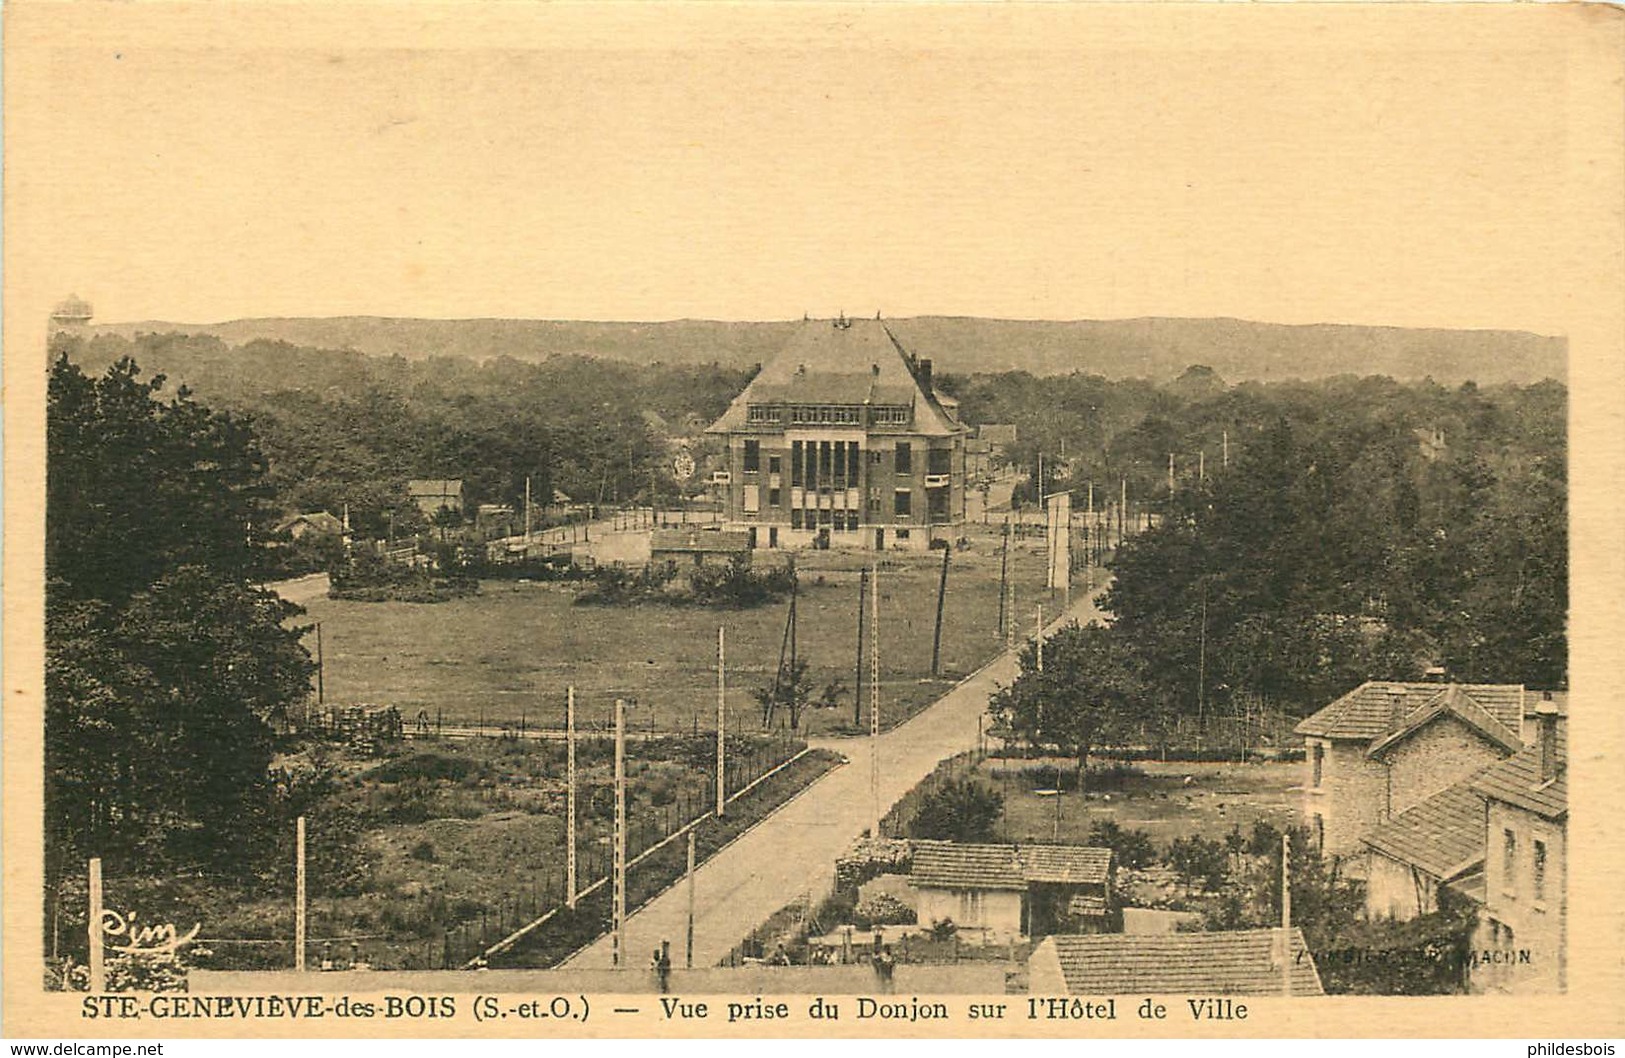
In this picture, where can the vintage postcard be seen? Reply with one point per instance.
(849, 520)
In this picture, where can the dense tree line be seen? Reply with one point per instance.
(1361, 529)
(339, 428)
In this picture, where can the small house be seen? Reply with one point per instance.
(1248, 962)
(698, 547)
(433, 495)
(313, 523)
(1387, 746)
(1431, 845)
(1004, 892)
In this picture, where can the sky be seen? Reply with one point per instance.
(677, 162)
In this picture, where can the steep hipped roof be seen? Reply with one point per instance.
(1517, 781)
(948, 865)
(1065, 864)
(1378, 707)
(840, 362)
(1443, 835)
(1457, 703)
(1233, 962)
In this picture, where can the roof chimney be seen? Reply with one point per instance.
(925, 376)
(1546, 726)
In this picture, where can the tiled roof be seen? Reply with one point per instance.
(1065, 864)
(1458, 703)
(702, 540)
(1516, 780)
(1377, 707)
(321, 521)
(840, 362)
(1443, 835)
(1238, 962)
(947, 865)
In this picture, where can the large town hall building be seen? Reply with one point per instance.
(842, 441)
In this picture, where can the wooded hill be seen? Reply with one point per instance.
(1153, 347)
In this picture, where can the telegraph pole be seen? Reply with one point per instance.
(570, 886)
(936, 639)
(1004, 583)
(722, 725)
(1286, 915)
(688, 960)
(98, 967)
(857, 684)
(874, 697)
(527, 509)
(618, 910)
(1038, 636)
(321, 667)
(300, 908)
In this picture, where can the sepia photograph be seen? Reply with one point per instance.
(918, 520)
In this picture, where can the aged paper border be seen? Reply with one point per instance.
(1589, 38)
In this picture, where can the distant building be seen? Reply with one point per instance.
(435, 495)
(1003, 892)
(1387, 746)
(842, 440)
(1523, 928)
(71, 315)
(1248, 962)
(314, 523)
(697, 547)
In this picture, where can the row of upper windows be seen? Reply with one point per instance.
(825, 414)
(1509, 866)
(938, 460)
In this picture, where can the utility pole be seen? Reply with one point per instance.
(1286, 915)
(570, 881)
(1038, 636)
(688, 960)
(857, 684)
(321, 667)
(874, 697)
(1201, 666)
(300, 908)
(936, 639)
(722, 725)
(1122, 513)
(527, 509)
(1226, 437)
(1010, 619)
(1004, 583)
(618, 908)
(98, 966)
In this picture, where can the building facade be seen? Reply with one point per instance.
(1521, 945)
(842, 441)
(1386, 747)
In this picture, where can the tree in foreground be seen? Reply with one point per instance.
(1087, 693)
(165, 668)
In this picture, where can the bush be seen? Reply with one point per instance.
(428, 766)
(1133, 847)
(423, 852)
(959, 810)
(883, 909)
(1199, 861)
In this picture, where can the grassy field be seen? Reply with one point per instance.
(1157, 800)
(511, 651)
(448, 846)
